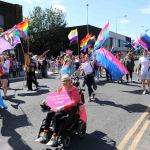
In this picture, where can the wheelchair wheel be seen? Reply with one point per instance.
(66, 141)
(82, 129)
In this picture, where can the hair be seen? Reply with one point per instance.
(65, 77)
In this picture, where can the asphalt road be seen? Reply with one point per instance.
(116, 119)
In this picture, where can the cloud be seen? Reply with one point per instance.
(59, 7)
(145, 10)
(124, 21)
(56, 1)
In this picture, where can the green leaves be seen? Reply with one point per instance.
(44, 26)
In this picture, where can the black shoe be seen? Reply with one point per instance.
(30, 90)
(93, 96)
(95, 87)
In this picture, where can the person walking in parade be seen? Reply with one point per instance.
(144, 69)
(30, 70)
(88, 68)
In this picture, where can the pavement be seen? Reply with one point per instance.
(22, 77)
(117, 119)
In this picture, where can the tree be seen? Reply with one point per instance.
(45, 28)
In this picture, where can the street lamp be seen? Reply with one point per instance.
(117, 20)
(117, 25)
(87, 19)
(137, 29)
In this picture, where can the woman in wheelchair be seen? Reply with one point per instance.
(73, 92)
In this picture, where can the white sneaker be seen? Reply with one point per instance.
(52, 142)
(144, 92)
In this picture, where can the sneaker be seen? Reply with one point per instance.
(43, 137)
(89, 99)
(144, 92)
(93, 96)
(52, 142)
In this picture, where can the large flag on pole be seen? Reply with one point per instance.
(8, 40)
(21, 29)
(73, 36)
(87, 42)
(102, 37)
(110, 63)
(144, 41)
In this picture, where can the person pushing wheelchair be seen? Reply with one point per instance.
(73, 93)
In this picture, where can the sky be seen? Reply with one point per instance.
(132, 17)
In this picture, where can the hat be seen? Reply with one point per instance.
(65, 78)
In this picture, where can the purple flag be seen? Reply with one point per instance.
(8, 41)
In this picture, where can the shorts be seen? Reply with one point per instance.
(145, 75)
(5, 76)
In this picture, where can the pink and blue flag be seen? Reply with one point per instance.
(144, 41)
(110, 63)
(102, 37)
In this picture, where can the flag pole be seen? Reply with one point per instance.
(28, 43)
(78, 43)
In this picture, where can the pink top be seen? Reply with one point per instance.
(73, 93)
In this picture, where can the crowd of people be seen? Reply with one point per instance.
(67, 65)
(39, 67)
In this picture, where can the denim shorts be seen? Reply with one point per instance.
(145, 75)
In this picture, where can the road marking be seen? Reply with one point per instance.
(132, 130)
(139, 135)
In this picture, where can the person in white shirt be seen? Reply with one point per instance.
(88, 68)
(5, 65)
(144, 68)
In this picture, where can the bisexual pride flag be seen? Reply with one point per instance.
(110, 63)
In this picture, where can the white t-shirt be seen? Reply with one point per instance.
(145, 62)
(7, 65)
(87, 67)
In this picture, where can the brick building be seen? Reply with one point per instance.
(10, 14)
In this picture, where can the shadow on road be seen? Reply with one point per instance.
(36, 93)
(130, 108)
(130, 84)
(94, 141)
(139, 92)
(16, 102)
(10, 123)
(102, 82)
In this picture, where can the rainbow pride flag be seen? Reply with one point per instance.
(87, 42)
(21, 29)
(102, 37)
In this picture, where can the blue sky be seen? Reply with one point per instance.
(99, 12)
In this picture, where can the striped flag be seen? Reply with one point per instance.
(144, 41)
(102, 37)
(73, 35)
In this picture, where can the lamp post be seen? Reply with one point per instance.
(117, 24)
(137, 29)
(87, 19)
